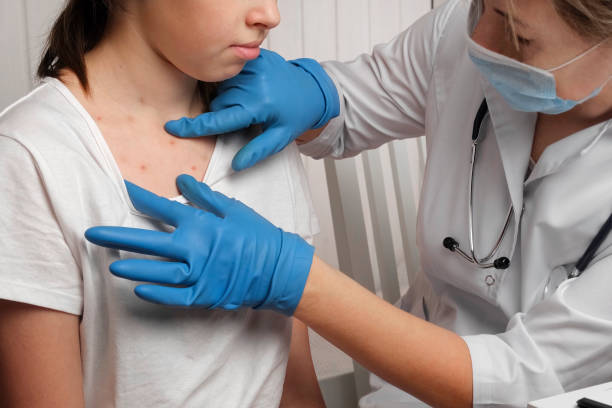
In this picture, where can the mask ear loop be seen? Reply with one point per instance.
(593, 48)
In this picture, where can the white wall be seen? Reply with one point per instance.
(321, 29)
(24, 25)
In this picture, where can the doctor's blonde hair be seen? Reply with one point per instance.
(592, 19)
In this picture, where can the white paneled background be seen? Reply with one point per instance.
(320, 29)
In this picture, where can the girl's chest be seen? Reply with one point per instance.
(151, 158)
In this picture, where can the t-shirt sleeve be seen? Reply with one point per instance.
(36, 265)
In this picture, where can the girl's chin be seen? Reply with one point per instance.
(220, 73)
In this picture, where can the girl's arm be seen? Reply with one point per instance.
(427, 361)
(301, 388)
(40, 357)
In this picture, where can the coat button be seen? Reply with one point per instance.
(490, 280)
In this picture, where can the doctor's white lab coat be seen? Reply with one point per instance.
(522, 347)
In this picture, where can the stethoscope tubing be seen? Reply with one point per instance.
(590, 252)
(482, 114)
(452, 244)
(504, 262)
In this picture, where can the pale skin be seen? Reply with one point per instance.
(406, 351)
(40, 357)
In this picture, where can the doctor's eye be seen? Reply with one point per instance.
(523, 41)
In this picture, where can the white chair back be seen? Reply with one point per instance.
(368, 229)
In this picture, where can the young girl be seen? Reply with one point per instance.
(71, 334)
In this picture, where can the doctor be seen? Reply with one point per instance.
(515, 101)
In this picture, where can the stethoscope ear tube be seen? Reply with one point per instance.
(452, 245)
(449, 242)
(503, 262)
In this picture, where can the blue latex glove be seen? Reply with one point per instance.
(224, 256)
(286, 97)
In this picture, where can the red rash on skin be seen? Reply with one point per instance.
(143, 167)
(194, 168)
(172, 142)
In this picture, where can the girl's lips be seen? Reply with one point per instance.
(246, 53)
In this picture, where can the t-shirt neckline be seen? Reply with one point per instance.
(107, 155)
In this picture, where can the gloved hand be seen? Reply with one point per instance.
(286, 97)
(224, 256)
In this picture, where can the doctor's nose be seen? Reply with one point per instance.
(265, 14)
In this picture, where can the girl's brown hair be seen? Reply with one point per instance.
(79, 28)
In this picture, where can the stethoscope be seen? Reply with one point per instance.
(451, 243)
(504, 262)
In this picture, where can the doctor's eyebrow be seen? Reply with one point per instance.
(513, 18)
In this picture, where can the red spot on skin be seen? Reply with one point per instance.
(194, 168)
(98, 118)
(143, 167)
(130, 118)
(141, 100)
(172, 142)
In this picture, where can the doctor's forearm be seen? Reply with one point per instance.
(429, 362)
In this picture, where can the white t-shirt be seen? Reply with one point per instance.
(58, 178)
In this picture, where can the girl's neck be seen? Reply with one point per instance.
(125, 71)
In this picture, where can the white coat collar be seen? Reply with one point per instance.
(513, 129)
(568, 149)
(514, 133)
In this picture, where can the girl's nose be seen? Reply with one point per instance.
(265, 14)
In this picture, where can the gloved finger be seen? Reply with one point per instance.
(266, 144)
(211, 123)
(147, 270)
(168, 211)
(167, 295)
(231, 97)
(202, 195)
(135, 240)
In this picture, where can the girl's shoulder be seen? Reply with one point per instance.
(46, 119)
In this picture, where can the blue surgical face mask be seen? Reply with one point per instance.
(524, 87)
